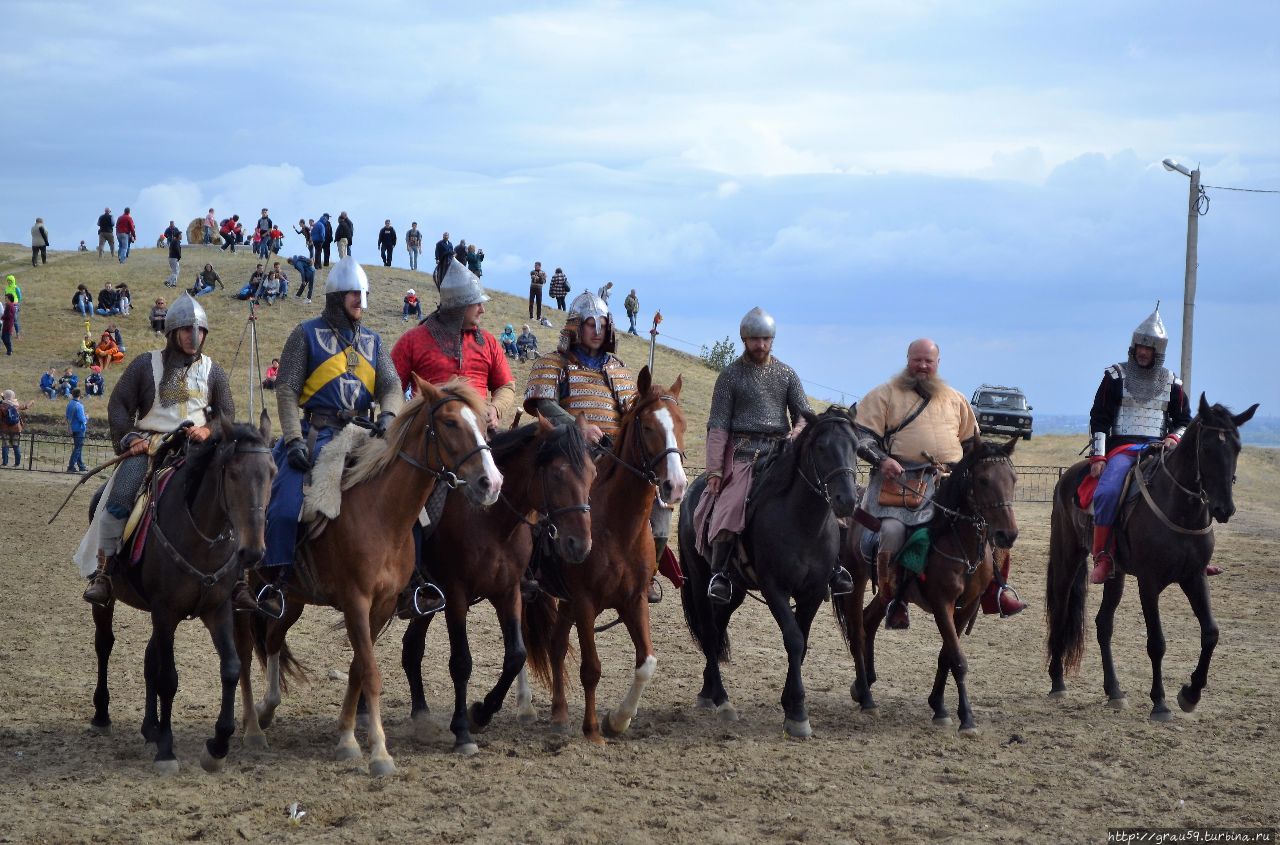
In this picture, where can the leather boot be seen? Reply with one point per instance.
(999, 596)
(720, 588)
(896, 617)
(1102, 561)
(841, 581)
(242, 600)
(99, 590)
(1213, 569)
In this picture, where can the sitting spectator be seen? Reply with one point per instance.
(206, 281)
(11, 425)
(83, 248)
(508, 340)
(273, 372)
(85, 356)
(107, 351)
(412, 306)
(284, 279)
(82, 301)
(119, 338)
(254, 288)
(48, 384)
(124, 300)
(527, 344)
(158, 312)
(270, 290)
(93, 385)
(67, 383)
(108, 302)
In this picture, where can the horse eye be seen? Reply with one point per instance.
(451, 423)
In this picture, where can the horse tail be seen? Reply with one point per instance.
(540, 617)
(1065, 587)
(697, 607)
(290, 666)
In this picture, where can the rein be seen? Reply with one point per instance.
(1198, 494)
(980, 525)
(547, 514)
(647, 471)
(819, 487)
(444, 474)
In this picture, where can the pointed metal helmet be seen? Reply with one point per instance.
(587, 306)
(184, 312)
(460, 287)
(757, 323)
(347, 275)
(1151, 333)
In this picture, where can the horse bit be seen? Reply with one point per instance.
(444, 473)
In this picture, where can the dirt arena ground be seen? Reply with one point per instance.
(1040, 770)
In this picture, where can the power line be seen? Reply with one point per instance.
(1243, 190)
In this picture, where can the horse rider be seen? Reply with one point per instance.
(449, 343)
(1140, 402)
(157, 393)
(332, 369)
(758, 401)
(910, 425)
(584, 378)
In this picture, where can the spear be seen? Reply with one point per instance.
(653, 339)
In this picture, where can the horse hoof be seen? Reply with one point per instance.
(466, 749)
(211, 764)
(797, 729)
(1161, 715)
(727, 712)
(1118, 703)
(970, 731)
(703, 703)
(473, 717)
(265, 718)
(382, 768)
(942, 721)
(596, 739)
(872, 709)
(100, 730)
(255, 742)
(1057, 694)
(527, 716)
(347, 752)
(1187, 705)
(166, 767)
(561, 728)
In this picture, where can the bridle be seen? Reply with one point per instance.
(977, 519)
(647, 470)
(446, 474)
(546, 521)
(819, 485)
(1199, 494)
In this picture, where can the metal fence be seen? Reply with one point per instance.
(51, 452)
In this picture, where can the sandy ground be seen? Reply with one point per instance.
(1039, 770)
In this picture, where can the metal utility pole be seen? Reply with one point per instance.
(1189, 281)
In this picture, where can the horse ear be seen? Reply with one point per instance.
(644, 381)
(1008, 447)
(264, 426)
(213, 421)
(1241, 419)
(1204, 405)
(676, 385)
(972, 443)
(426, 388)
(544, 424)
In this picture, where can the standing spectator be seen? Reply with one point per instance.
(322, 239)
(264, 225)
(475, 257)
(158, 312)
(605, 291)
(78, 422)
(11, 286)
(173, 235)
(460, 253)
(82, 301)
(632, 304)
(508, 340)
(261, 244)
(413, 243)
(9, 323)
(537, 278)
(106, 232)
(39, 242)
(444, 252)
(93, 385)
(412, 306)
(345, 235)
(306, 273)
(228, 232)
(304, 228)
(210, 227)
(276, 240)
(273, 373)
(48, 383)
(386, 242)
(559, 287)
(126, 234)
(124, 300)
(11, 426)
(239, 230)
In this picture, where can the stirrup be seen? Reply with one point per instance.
(653, 592)
(267, 591)
(417, 606)
(839, 578)
(712, 594)
(1005, 588)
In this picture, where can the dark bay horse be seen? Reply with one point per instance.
(791, 542)
(1166, 537)
(973, 519)
(363, 559)
(481, 554)
(209, 524)
(646, 454)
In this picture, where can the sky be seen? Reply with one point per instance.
(986, 174)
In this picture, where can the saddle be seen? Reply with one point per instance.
(138, 525)
(1088, 485)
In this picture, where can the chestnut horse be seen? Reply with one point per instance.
(646, 454)
(973, 512)
(209, 524)
(481, 554)
(362, 559)
(1166, 538)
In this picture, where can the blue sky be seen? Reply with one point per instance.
(983, 173)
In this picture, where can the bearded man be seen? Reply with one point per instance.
(911, 425)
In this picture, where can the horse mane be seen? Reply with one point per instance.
(201, 456)
(950, 491)
(780, 469)
(372, 457)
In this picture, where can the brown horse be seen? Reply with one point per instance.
(362, 559)
(646, 454)
(481, 554)
(973, 514)
(1166, 538)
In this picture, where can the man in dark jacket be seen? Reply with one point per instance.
(386, 242)
(106, 232)
(344, 234)
(322, 239)
(444, 252)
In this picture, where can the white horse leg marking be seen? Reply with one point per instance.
(675, 469)
(525, 711)
(271, 698)
(486, 458)
(620, 719)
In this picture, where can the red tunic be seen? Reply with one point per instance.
(484, 366)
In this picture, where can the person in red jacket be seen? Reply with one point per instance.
(126, 234)
(228, 232)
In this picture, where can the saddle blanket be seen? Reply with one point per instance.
(323, 497)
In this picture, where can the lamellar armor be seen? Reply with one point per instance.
(599, 395)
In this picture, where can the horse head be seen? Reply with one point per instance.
(986, 477)
(241, 461)
(1215, 441)
(827, 448)
(659, 425)
(453, 444)
(561, 485)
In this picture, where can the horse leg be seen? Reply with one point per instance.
(589, 672)
(151, 671)
(796, 718)
(1105, 623)
(221, 627)
(937, 696)
(252, 735)
(513, 658)
(104, 640)
(559, 649)
(1196, 588)
(364, 678)
(413, 647)
(276, 632)
(526, 713)
(636, 617)
(872, 616)
(460, 671)
(1150, 595)
(166, 686)
(943, 607)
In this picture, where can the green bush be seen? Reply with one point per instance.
(719, 354)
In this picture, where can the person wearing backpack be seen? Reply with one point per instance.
(11, 426)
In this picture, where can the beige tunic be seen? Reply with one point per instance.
(939, 429)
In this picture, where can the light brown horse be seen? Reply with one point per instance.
(646, 454)
(973, 520)
(363, 558)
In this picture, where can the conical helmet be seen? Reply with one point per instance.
(460, 287)
(757, 323)
(587, 306)
(347, 275)
(184, 312)
(1150, 332)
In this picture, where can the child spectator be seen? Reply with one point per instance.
(273, 372)
(117, 337)
(508, 340)
(67, 383)
(93, 385)
(11, 426)
(228, 232)
(276, 239)
(85, 356)
(412, 306)
(82, 301)
(9, 323)
(124, 300)
(11, 286)
(527, 344)
(78, 422)
(158, 312)
(48, 383)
